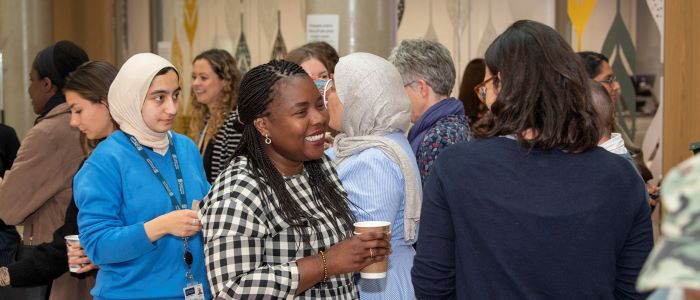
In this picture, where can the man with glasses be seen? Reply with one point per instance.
(439, 121)
(598, 68)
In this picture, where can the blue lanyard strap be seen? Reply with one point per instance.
(157, 173)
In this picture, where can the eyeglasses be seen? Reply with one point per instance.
(410, 83)
(609, 80)
(323, 86)
(480, 89)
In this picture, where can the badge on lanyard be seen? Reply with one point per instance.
(193, 290)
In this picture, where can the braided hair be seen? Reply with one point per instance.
(258, 89)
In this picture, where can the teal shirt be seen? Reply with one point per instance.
(117, 192)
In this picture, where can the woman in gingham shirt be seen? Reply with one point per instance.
(276, 222)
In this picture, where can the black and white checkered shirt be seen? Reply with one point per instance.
(251, 251)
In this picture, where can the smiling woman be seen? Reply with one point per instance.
(215, 82)
(277, 222)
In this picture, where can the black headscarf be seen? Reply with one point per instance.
(56, 62)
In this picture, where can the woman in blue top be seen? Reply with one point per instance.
(146, 240)
(375, 162)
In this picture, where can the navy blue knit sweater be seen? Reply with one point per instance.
(499, 222)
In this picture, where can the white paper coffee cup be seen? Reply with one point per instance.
(73, 240)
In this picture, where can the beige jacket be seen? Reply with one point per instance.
(37, 190)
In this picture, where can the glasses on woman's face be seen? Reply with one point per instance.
(609, 80)
(323, 86)
(480, 89)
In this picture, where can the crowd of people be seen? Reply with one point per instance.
(521, 188)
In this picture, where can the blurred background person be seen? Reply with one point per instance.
(534, 210)
(37, 190)
(370, 109)
(215, 81)
(612, 141)
(438, 120)
(318, 59)
(598, 67)
(9, 144)
(9, 238)
(86, 91)
(476, 111)
(277, 221)
(605, 116)
(135, 190)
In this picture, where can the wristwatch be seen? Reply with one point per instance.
(4, 277)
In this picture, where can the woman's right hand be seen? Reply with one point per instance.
(354, 253)
(180, 223)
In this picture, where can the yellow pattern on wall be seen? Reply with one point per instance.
(191, 18)
(580, 12)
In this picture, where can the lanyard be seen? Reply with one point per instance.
(181, 187)
(156, 172)
(202, 135)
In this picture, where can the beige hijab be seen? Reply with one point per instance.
(374, 105)
(127, 93)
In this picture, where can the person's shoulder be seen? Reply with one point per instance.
(238, 183)
(181, 139)
(238, 170)
(476, 153)
(55, 125)
(184, 142)
(371, 156)
(480, 147)
(449, 129)
(453, 122)
(7, 131)
(114, 146)
(605, 160)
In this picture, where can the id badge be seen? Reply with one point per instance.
(194, 291)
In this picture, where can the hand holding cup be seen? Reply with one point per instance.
(78, 262)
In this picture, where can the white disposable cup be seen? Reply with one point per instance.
(73, 240)
(376, 270)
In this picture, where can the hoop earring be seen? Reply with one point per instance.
(267, 140)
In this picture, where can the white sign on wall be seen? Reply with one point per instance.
(323, 28)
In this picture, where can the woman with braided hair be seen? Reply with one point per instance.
(276, 222)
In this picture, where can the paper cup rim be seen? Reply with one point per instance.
(378, 275)
(372, 224)
(72, 237)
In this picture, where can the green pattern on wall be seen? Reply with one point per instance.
(618, 46)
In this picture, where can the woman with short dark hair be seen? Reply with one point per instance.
(534, 210)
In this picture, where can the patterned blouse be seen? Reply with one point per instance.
(251, 251)
(449, 130)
